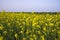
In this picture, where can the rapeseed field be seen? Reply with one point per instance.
(29, 26)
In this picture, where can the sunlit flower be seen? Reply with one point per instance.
(51, 24)
(39, 32)
(16, 35)
(5, 32)
(1, 27)
(27, 31)
(9, 24)
(58, 32)
(17, 21)
(1, 37)
(24, 38)
(44, 29)
(42, 37)
(31, 39)
(53, 30)
(34, 35)
(38, 26)
(21, 32)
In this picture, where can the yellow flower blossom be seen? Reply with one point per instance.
(42, 37)
(23, 23)
(5, 32)
(38, 26)
(31, 39)
(58, 32)
(24, 38)
(27, 31)
(34, 35)
(53, 30)
(9, 24)
(1, 27)
(46, 24)
(49, 19)
(1, 37)
(21, 32)
(34, 24)
(17, 21)
(16, 35)
(44, 29)
(51, 24)
(38, 32)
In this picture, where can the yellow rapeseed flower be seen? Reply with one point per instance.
(24, 38)
(17, 21)
(42, 37)
(53, 30)
(34, 24)
(46, 24)
(23, 23)
(31, 39)
(58, 32)
(49, 19)
(5, 32)
(16, 35)
(44, 29)
(27, 31)
(1, 37)
(38, 26)
(38, 32)
(21, 32)
(9, 24)
(34, 35)
(1, 27)
(51, 24)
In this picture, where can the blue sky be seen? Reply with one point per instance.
(30, 5)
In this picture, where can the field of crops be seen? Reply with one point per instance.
(29, 26)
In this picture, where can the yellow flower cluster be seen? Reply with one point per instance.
(29, 26)
(1, 27)
(1, 37)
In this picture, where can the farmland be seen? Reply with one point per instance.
(29, 26)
